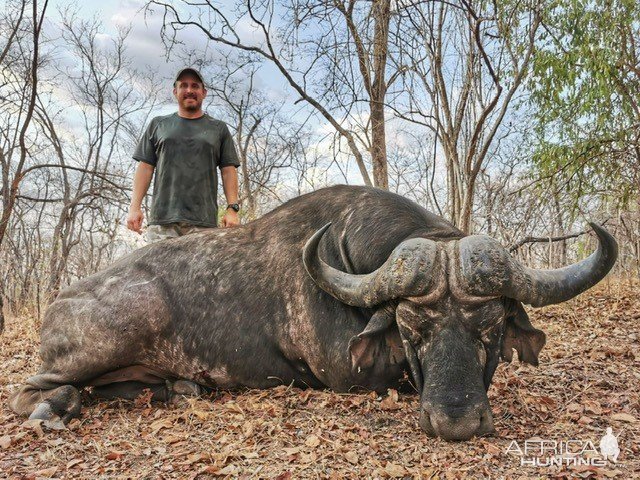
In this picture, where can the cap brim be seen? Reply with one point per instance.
(192, 71)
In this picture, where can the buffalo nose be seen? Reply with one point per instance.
(476, 420)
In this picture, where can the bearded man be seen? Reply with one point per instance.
(183, 150)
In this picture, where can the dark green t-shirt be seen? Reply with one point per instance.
(185, 153)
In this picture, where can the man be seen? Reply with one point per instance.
(183, 150)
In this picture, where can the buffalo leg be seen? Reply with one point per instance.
(163, 392)
(46, 396)
(131, 390)
(186, 388)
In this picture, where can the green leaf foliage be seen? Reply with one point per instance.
(585, 86)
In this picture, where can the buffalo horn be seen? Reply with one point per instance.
(488, 269)
(407, 272)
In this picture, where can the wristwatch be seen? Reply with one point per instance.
(234, 206)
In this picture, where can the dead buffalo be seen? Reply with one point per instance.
(387, 287)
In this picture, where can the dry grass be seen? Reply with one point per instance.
(588, 379)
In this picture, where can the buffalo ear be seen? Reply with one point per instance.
(521, 335)
(363, 348)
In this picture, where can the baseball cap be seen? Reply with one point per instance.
(190, 70)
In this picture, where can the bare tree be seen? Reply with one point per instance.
(466, 63)
(11, 22)
(267, 141)
(103, 93)
(334, 54)
(73, 188)
(13, 168)
(15, 57)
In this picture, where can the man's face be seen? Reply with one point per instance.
(189, 92)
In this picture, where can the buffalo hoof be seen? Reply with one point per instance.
(62, 405)
(185, 387)
(43, 411)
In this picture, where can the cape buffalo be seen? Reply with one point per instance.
(387, 287)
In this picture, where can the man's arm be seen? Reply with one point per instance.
(230, 186)
(141, 182)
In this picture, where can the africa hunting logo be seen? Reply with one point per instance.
(538, 452)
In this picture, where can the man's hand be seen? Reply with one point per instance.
(134, 220)
(141, 181)
(230, 219)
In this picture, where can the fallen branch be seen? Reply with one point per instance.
(516, 246)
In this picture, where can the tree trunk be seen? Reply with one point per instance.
(464, 220)
(57, 261)
(381, 10)
(379, 147)
(246, 181)
(9, 202)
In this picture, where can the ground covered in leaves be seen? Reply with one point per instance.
(588, 380)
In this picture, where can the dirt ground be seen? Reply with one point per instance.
(588, 380)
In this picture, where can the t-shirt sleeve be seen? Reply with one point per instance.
(146, 150)
(228, 155)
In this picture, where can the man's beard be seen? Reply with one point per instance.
(192, 107)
